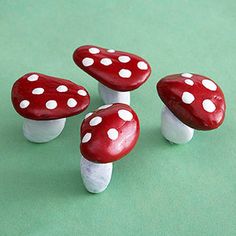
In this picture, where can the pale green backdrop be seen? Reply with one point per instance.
(158, 189)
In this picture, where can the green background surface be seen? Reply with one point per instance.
(158, 189)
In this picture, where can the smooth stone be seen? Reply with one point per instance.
(196, 100)
(110, 96)
(173, 129)
(43, 97)
(42, 131)
(95, 176)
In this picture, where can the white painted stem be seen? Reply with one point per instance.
(110, 96)
(95, 176)
(173, 129)
(42, 131)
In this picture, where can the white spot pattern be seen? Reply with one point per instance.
(142, 65)
(189, 82)
(94, 50)
(33, 77)
(112, 134)
(106, 61)
(187, 98)
(51, 104)
(38, 91)
(111, 50)
(71, 102)
(24, 104)
(209, 84)
(87, 61)
(125, 115)
(82, 92)
(124, 59)
(86, 137)
(208, 105)
(187, 75)
(95, 121)
(62, 89)
(124, 73)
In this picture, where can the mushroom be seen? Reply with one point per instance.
(45, 102)
(107, 135)
(191, 102)
(117, 72)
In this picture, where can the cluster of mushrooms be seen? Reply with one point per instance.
(111, 131)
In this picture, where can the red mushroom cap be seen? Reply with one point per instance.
(109, 133)
(194, 99)
(41, 97)
(117, 70)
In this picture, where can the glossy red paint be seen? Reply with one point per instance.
(41, 97)
(109, 133)
(202, 107)
(120, 71)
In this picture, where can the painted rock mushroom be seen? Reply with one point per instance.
(117, 72)
(45, 102)
(191, 102)
(107, 135)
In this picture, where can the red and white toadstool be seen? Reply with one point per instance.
(45, 102)
(191, 102)
(107, 135)
(117, 72)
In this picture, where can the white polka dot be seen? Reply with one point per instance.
(112, 134)
(24, 104)
(38, 91)
(187, 98)
(51, 104)
(111, 50)
(208, 105)
(71, 102)
(124, 73)
(125, 115)
(189, 82)
(88, 115)
(142, 65)
(82, 92)
(94, 50)
(106, 61)
(187, 75)
(95, 121)
(209, 84)
(87, 61)
(124, 59)
(104, 106)
(86, 137)
(62, 89)
(33, 77)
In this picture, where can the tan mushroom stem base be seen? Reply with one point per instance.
(173, 129)
(95, 176)
(110, 96)
(42, 131)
